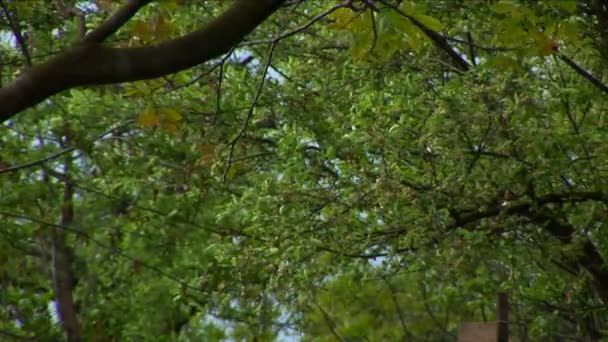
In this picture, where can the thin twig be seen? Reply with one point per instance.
(251, 109)
(273, 43)
(17, 33)
(59, 153)
(391, 288)
(331, 324)
(290, 79)
(439, 40)
(471, 48)
(586, 74)
(222, 232)
(481, 47)
(299, 28)
(374, 31)
(39, 161)
(200, 76)
(220, 79)
(101, 244)
(115, 21)
(15, 337)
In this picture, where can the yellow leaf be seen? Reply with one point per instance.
(183, 77)
(408, 7)
(504, 63)
(160, 27)
(148, 118)
(105, 5)
(361, 24)
(142, 30)
(170, 119)
(170, 127)
(568, 31)
(171, 115)
(567, 5)
(429, 22)
(507, 7)
(207, 154)
(342, 18)
(135, 89)
(359, 49)
(169, 5)
(415, 38)
(131, 91)
(545, 45)
(414, 35)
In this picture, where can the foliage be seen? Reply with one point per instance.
(378, 175)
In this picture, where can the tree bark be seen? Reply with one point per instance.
(63, 275)
(63, 280)
(90, 62)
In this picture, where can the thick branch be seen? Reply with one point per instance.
(91, 63)
(590, 258)
(463, 218)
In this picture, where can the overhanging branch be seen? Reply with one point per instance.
(91, 63)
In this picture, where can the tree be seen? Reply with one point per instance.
(353, 170)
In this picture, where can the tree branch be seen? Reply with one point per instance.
(91, 63)
(251, 109)
(439, 40)
(112, 249)
(17, 33)
(464, 218)
(63, 275)
(586, 74)
(61, 152)
(115, 21)
(590, 259)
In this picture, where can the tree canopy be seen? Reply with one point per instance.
(357, 170)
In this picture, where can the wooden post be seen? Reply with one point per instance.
(495, 331)
(502, 317)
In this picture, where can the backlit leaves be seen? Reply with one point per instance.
(165, 117)
(383, 33)
(156, 28)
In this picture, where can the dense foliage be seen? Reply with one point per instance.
(363, 170)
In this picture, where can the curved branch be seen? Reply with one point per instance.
(90, 63)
